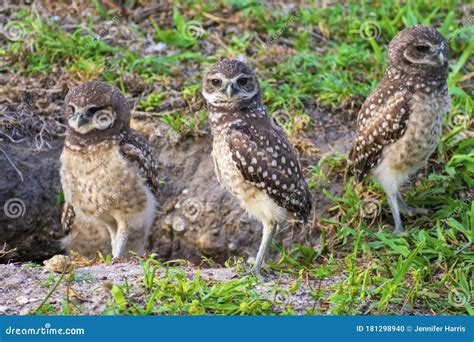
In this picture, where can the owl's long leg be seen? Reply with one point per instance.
(111, 226)
(406, 209)
(121, 238)
(113, 235)
(269, 229)
(393, 203)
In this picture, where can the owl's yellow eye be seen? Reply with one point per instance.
(216, 82)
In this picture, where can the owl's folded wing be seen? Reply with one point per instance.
(381, 122)
(137, 150)
(266, 160)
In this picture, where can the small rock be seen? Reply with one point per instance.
(178, 224)
(107, 285)
(22, 300)
(59, 264)
(174, 138)
(24, 312)
(159, 47)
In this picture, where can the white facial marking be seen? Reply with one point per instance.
(224, 96)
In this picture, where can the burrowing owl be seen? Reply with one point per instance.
(108, 173)
(400, 124)
(253, 158)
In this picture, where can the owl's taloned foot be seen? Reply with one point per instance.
(260, 273)
(252, 271)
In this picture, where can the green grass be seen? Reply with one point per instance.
(332, 62)
(184, 124)
(172, 293)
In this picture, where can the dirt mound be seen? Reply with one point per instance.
(30, 213)
(196, 216)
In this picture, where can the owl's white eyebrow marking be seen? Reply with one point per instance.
(234, 79)
(218, 75)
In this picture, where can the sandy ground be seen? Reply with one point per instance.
(24, 288)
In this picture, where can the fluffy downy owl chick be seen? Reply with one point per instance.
(107, 170)
(253, 158)
(400, 124)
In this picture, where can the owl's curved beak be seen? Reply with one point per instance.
(230, 90)
(81, 119)
(442, 55)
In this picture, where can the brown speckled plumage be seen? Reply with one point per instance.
(108, 174)
(252, 156)
(400, 124)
